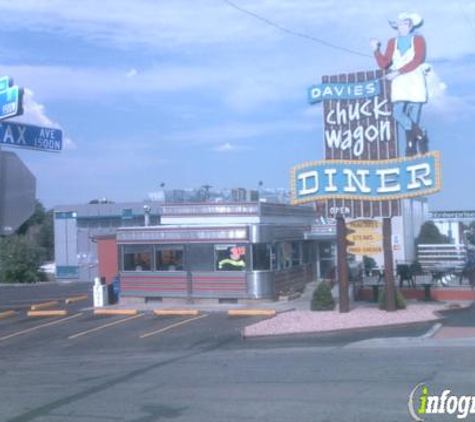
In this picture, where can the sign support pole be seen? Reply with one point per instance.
(342, 264)
(388, 266)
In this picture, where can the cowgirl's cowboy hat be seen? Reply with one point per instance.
(415, 18)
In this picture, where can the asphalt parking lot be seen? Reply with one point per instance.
(81, 329)
(145, 368)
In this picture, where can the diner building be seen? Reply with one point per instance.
(220, 251)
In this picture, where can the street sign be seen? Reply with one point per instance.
(31, 137)
(11, 97)
(17, 192)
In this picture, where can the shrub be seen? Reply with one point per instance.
(400, 300)
(322, 299)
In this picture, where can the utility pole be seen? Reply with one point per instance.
(206, 189)
(388, 266)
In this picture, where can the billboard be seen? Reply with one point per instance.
(363, 174)
(367, 180)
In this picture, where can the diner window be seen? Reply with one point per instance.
(285, 255)
(199, 257)
(296, 254)
(327, 260)
(137, 257)
(306, 252)
(230, 257)
(261, 256)
(169, 258)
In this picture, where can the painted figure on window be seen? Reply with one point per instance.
(404, 57)
(236, 260)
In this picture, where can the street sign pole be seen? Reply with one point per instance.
(342, 264)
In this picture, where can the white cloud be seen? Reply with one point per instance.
(228, 147)
(239, 58)
(225, 134)
(131, 73)
(34, 113)
(63, 82)
(167, 25)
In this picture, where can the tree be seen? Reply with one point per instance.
(20, 260)
(368, 264)
(430, 235)
(469, 232)
(22, 253)
(36, 218)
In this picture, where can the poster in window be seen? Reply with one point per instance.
(230, 258)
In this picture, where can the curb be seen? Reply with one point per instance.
(47, 313)
(341, 331)
(252, 312)
(129, 312)
(457, 310)
(177, 312)
(43, 305)
(7, 314)
(433, 331)
(75, 299)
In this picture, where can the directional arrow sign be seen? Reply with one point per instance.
(10, 99)
(31, 137)
(364, 237)
(364, 225)
(366, 250)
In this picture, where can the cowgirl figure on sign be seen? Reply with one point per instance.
(404, 57)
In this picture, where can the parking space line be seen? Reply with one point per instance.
(169, 327)
(107, 311)
(37, 327)
(7, 314)
(176, 312)
(101, 327)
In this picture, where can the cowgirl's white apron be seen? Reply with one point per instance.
(410, 86)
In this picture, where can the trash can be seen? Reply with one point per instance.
(116, 288)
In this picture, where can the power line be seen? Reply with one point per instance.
(292, 32)
(466, 16)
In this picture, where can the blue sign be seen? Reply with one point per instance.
(10, 99)
(343, 91)
(367, 180)
(31, 137)
(5, 83)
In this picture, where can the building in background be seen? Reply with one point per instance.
(209, 194)
(453, 224)
(77, 226)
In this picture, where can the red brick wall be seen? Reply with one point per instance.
(108, 259)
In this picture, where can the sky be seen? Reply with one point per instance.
(195, 92)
